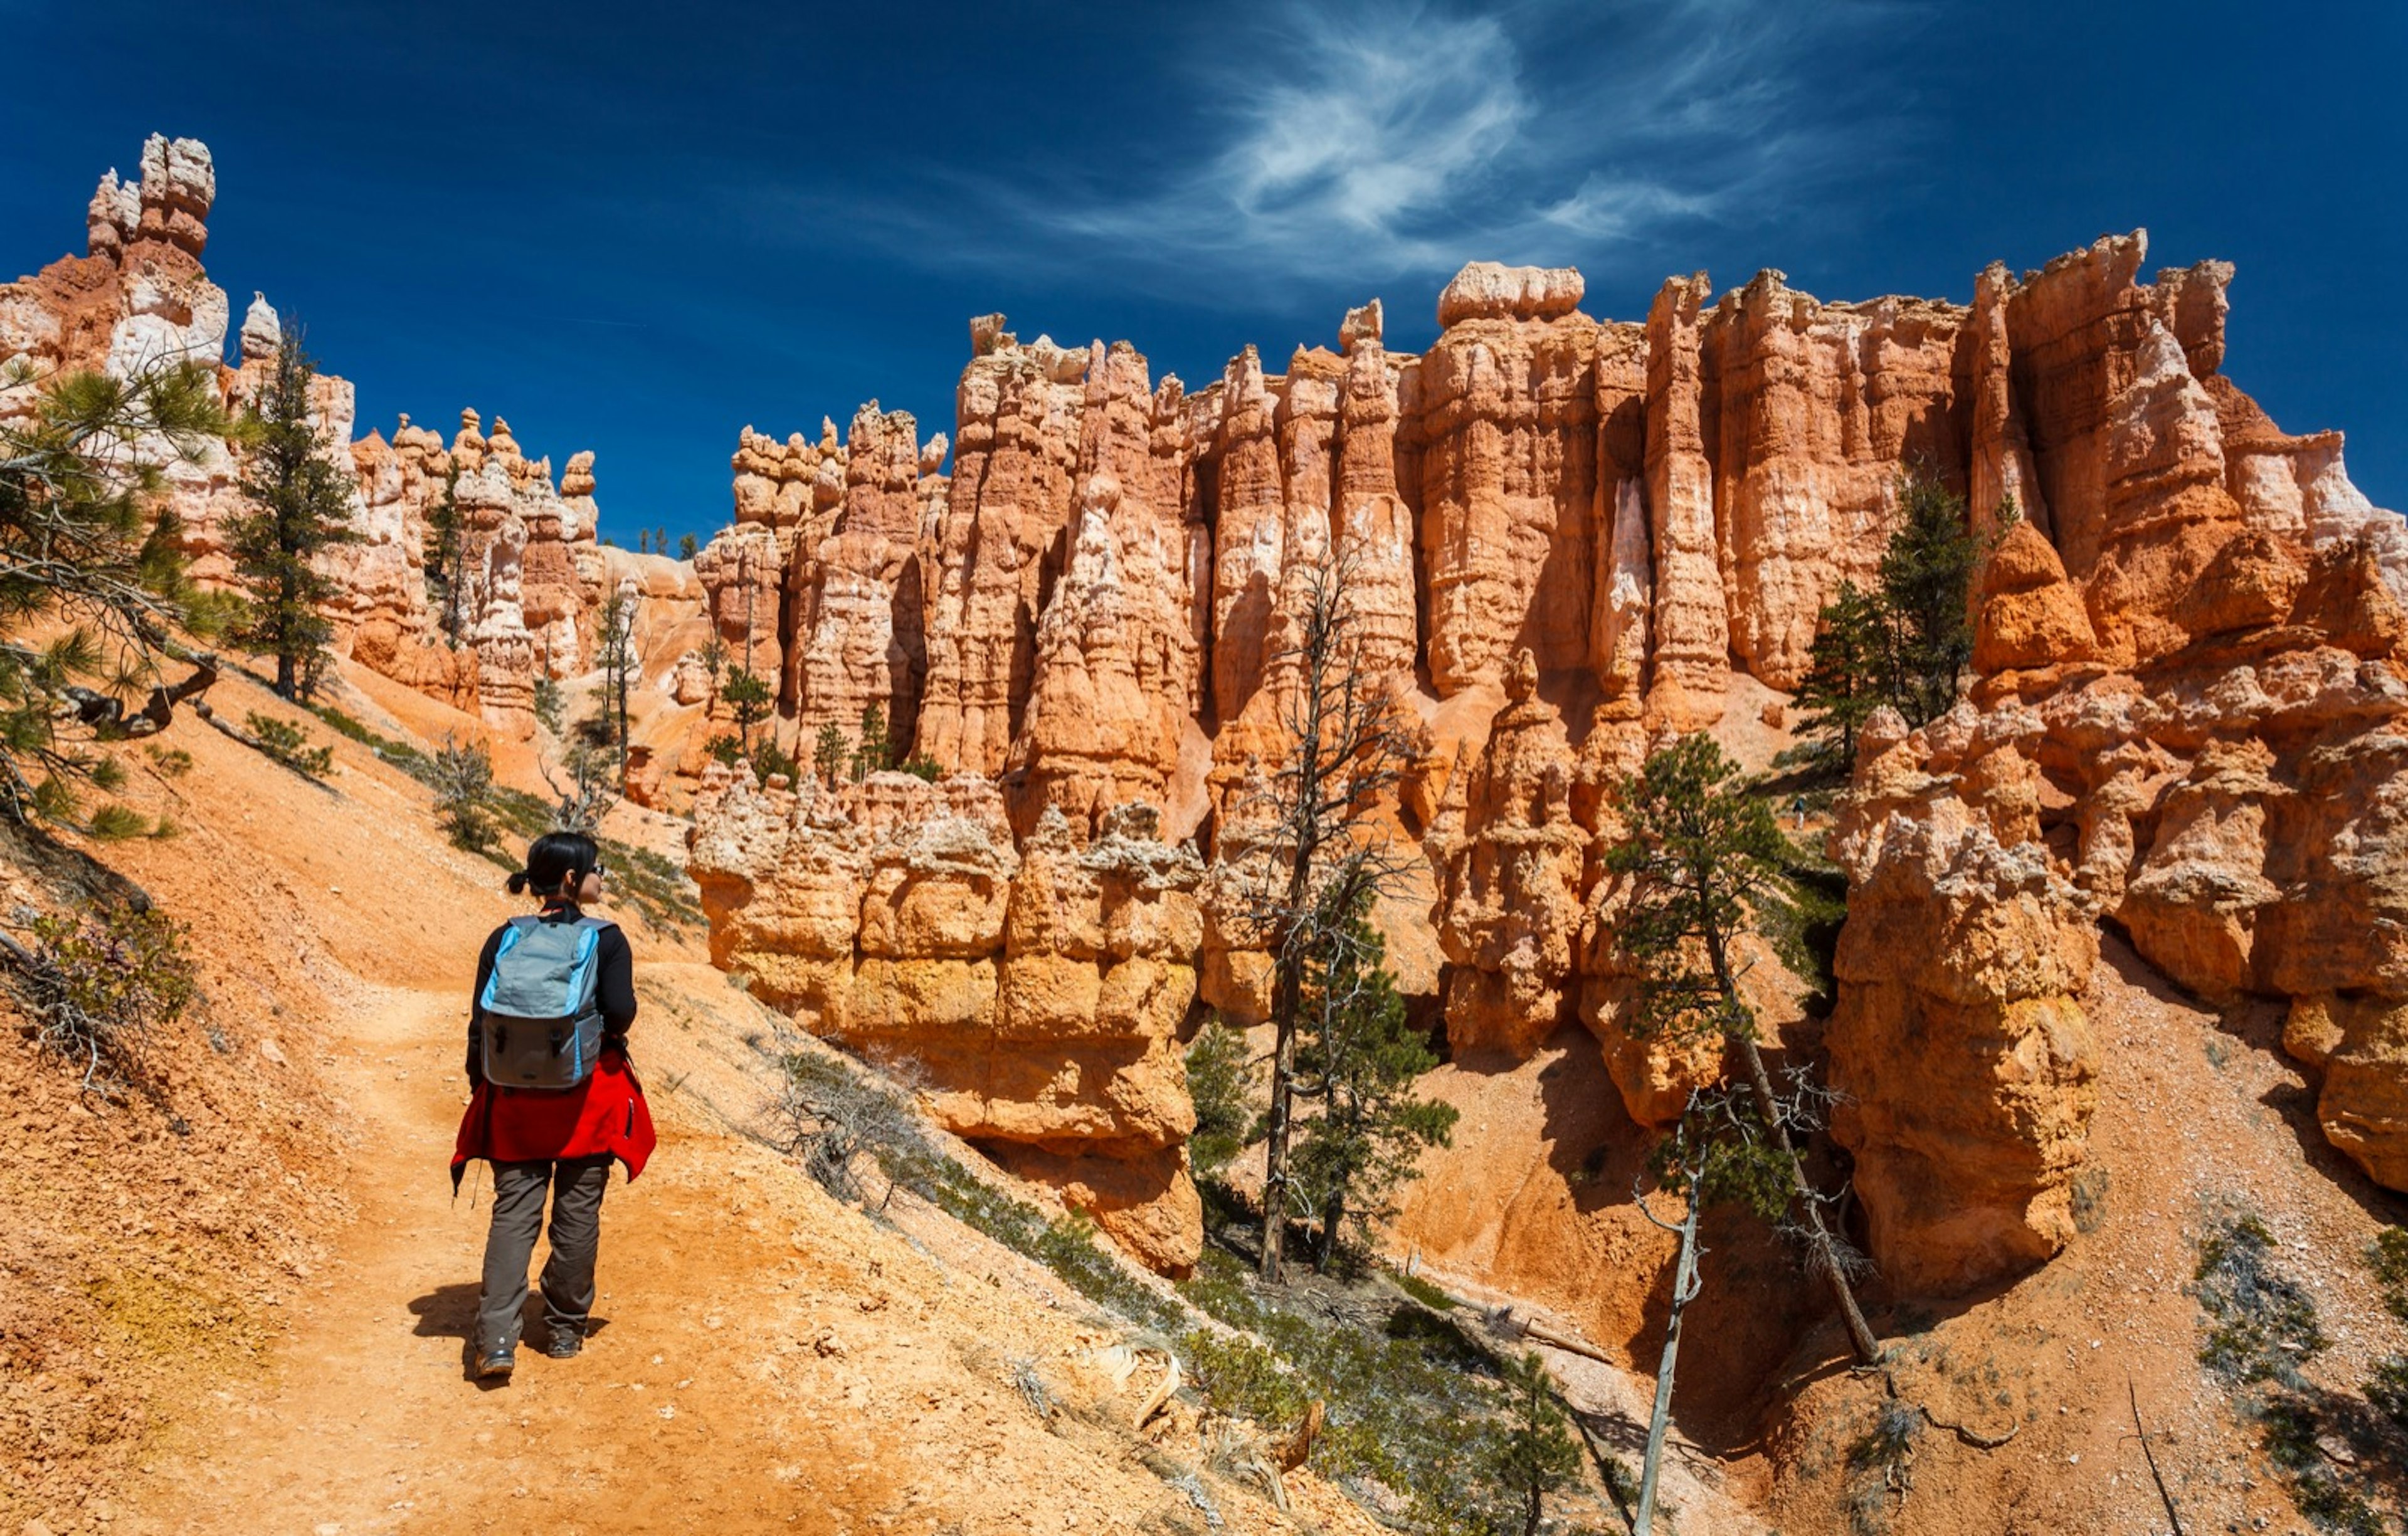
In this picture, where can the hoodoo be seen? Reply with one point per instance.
(1564, 536)
(1567, 535)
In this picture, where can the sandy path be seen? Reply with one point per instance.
(365, 1421)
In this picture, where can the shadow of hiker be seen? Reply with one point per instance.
(450, 1312)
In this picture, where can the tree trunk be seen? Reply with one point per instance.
(1275, 1143)
(1685, 1290)
(1531, 1521)
(1333, 1218)
(1287, 1002)
(1818, 1237)
(1821, 1250)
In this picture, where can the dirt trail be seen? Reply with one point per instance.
(364, 1422)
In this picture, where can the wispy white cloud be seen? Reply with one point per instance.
(1350, 141)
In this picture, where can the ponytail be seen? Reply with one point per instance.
(556, 861)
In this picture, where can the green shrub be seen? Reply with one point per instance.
(1221, 1082)
(1879, 1462)
(115, 823)
(834, 1117)
(289, 745)
(1419, 1413)
(172, 761)
(2262, 1326)
(2387, 1389)
(1426, 1294)
(461, 773)
(1237, 1375)
(99, 983)
(2387, 1255)
(770, 760)
(2090, 1198)
(409, 759)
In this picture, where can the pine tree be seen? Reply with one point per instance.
(300, 507)
(1221, 1082)
(1537, 1455)
(872, 753)
(616, 656)
(1349, 746)
(828, 756)
(447, 562)
(687, 547)
(547, 702)
(1360, 1055)
(746, 698)
(89, 559)
(1926, 579)
(1849, 669)
(1701, 852)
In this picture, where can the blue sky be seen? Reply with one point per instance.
(638, 228)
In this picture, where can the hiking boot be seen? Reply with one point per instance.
(564, 1343)
(495, 1366)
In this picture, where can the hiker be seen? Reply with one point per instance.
(554, 1098)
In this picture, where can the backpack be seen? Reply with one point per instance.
(541, 1028)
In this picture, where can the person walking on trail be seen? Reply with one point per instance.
(555, 1101)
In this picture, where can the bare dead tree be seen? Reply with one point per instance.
(1718, 1151)
(1348, 745)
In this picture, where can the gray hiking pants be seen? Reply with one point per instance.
(577, 1184)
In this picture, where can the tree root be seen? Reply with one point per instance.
(1970, 1436)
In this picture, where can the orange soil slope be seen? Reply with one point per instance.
(255, 1323)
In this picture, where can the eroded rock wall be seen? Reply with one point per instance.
(1565, 536)
(140, 297)
(1038, 983)
(2185, 719)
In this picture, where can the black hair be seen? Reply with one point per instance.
(555, 860)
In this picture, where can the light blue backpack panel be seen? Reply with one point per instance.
(543, 1030)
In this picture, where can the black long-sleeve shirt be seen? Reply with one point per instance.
(614, 986)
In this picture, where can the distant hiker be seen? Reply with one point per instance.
(1798, 809)
(554, 1099)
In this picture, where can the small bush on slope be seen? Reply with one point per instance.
(2261, 1328)
(289, 745)
(98, 984)
(461, 773)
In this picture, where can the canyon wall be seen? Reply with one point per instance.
(1036, 987)
(1563, 538)
(532, 575)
